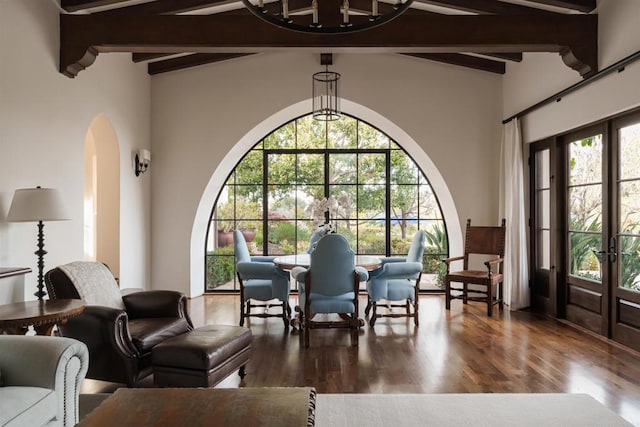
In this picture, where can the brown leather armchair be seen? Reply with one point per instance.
(119, 330)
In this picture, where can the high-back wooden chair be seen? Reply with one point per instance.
(482, 241)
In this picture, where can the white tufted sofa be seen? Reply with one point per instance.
(40, 379)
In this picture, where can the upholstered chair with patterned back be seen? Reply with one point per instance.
(398, 279)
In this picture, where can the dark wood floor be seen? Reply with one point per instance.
(457, 351)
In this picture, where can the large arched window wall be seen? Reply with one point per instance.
(379, 196)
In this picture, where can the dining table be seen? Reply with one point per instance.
(288, 262)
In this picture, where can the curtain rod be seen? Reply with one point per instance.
(618, 66)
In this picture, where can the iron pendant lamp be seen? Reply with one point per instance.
(326, 102)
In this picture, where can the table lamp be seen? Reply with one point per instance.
(37, 204)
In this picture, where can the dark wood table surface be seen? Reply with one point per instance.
(270, 406)
(15, 318)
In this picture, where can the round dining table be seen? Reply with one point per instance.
(287, 262)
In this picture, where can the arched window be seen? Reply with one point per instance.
(277, 195)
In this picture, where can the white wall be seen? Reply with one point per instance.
(540, 76)
(451, 114)
(44, 119)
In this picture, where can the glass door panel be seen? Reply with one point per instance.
(542, 298)
(625, 301)
(586, 255)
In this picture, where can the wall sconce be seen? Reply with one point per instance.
(143, 158)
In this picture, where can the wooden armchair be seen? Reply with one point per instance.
(483, 241)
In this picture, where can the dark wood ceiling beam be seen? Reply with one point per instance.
(585, 6)
(168, 6)
(76, 5)
(463, 60)
(486, 7)
(82, 37)
(509, 56)
(188, 61)
(141, 57)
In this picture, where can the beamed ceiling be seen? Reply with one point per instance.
(177, 34)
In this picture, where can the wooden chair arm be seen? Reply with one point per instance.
(450, 260)
(493, 262)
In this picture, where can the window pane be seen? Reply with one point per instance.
(281, 236)
(582, 258)
(304, 231)
(369, 137)
(346, 195)
(544, 249)
(342, 133)
(404, 204)
(371, 238)
(630, 152)
(371, 201)
(343, 168)
(220, 269)
(630, 262)
(280, 168)
(630, 206)
(249, 170)
(310, 168)
(282, 202)
(585, 208)
(436, 237)
(585, 161)
(542, 169)
(403, 169)
(284, 137)
(429, 208)
(311, 133)
(371, 169)
(543, 209)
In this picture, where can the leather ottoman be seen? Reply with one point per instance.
(202, 357)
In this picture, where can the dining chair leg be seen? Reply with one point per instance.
(374, 315)
(367, 309)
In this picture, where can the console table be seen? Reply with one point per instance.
(16, 318)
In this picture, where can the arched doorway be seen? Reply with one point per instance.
(102, 194)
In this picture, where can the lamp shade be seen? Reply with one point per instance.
(37, 204)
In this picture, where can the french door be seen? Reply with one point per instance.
(586, 228)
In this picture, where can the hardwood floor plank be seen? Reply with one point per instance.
(456, 351)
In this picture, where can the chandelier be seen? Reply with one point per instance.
(326, 16)
(326, 102)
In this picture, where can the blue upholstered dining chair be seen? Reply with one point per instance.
(260, 280)
(398, 279)
(330, 286)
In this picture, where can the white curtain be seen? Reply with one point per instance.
(512, 208)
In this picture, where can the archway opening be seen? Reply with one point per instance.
(102, 194)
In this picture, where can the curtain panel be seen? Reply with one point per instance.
(512, 208)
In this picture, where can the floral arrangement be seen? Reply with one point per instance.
(331, 205)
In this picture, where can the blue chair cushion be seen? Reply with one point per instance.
(400, 289)
(333, 304)
(258, 289)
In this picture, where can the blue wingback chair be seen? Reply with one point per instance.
(330, 285)
(315, 237)
(397, 279)
(260, 280)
